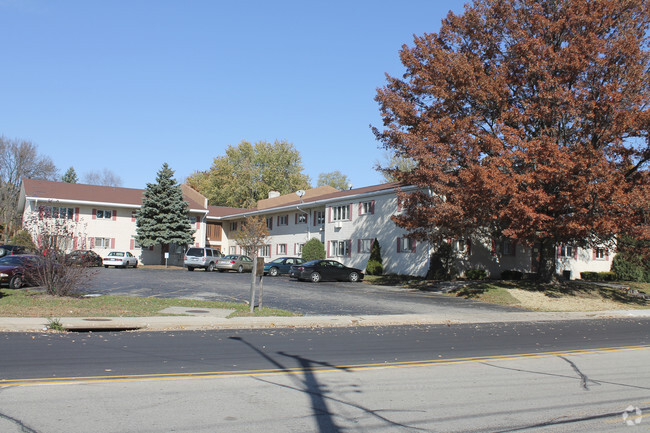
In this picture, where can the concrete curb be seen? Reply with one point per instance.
(199, 322)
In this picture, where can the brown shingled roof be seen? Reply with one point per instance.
(288, 199)
(47, 190)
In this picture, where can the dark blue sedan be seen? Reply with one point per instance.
(281, 265)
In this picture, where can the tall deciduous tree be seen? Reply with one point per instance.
(19, 159)
(527, 119)
(70, 176)
(248, 172)
(104, 178)
(163, 218)
(334, 179)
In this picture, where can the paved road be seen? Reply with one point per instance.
(325, 298)
(543, 377)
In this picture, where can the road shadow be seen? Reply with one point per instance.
(317, 392)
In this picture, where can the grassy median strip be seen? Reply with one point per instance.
(33, 303)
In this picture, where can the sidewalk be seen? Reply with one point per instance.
(198, 319)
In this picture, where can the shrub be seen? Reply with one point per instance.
(626, 270)
(22, 237)
(511, 275)
(440, 264)
(374, 268)
(598, 276)
(475, 274)
(313, 250)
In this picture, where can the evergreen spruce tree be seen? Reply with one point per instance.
(70, 176)
(375, 266)
(162, 219)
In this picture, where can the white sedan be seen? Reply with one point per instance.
(120, 259)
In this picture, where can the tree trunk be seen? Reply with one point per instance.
(547, 264)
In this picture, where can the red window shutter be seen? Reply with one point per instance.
(132, 244)
(575, 252)
(92, 243)
(359, 245)
(114, 215)
(74, 243)
(94, 214)
(559, 251)
(594, 253)
(399, 245)
(372, 207)
(112, 242)
(350, 211)
(76, 214)
(493, 250)
(413, 246)
(329, 212)
(606, 254)
(198, 223)
(133, 216)
(349, 242)
(399, 205)
(328, 249)
(197, 245)
(469, 246)
(360, 208)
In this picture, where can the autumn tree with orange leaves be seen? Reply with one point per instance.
(527, 120)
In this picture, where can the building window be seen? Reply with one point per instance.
(135, 243)
(319, 217)
(568, 251)
(101, 213)
(298, 249)
(365, 245)
(301, 218)
(282, 249)
(269, 223)
(233, 227)
(599, 254)
(367, 208)
(102, 242)
(283, 220)
(265, 251)
(508, 247)
(405, 245)
(60, 212)
(340, 248)
(340, 213)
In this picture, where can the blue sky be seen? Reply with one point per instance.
(129, 85)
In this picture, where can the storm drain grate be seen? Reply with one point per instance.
(197, 311)
(98, 320)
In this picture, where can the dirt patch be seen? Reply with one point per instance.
(541, 302)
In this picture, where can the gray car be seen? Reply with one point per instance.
(204, 258)
(235, 262)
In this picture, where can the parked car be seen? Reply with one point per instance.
(15, 270)
(235, 262)
(281, 265)
(84, 258)
(318, 270)
(120, 259)
(205, 258)
(10, 250)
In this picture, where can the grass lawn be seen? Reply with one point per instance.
(566, 296)
(33, 303)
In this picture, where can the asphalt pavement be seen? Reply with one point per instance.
(329, 304)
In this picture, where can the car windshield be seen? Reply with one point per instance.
(116, 254)
(312, 263)
(196, 252)
(13, 260)
(276, 261)
(231, 257)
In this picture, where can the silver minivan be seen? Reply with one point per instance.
(205, 258)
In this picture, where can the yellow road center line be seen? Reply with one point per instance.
(297, 370)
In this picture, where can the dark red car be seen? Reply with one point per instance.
(84, 258)
(16, 270)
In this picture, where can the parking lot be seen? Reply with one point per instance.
(324, 298)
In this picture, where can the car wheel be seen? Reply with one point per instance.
(222, 270)
(353, 277)
(135, 265)
(210, 268)
(16, 282)
(189, 268)
(240, 269)
(273, 272)
(106, 266)
(314, 277)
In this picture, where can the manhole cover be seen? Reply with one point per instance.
(97, 320)
(196, 311)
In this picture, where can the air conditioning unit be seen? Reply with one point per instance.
(338, 224)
